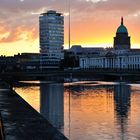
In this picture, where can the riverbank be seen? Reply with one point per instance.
(21, 121)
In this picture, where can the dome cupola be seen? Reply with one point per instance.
(122, 39)
(122, 28)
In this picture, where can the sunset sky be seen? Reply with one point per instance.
(93, 22)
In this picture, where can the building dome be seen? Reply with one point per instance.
(122, 40)
(122, 28)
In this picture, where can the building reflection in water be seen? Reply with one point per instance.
(122, 96)
(52, 103)
(92, 111)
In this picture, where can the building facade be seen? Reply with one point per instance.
(51, 26)
(76, 52)
(121, 56)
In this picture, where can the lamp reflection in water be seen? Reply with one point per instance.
(52, 103)
(122, 96)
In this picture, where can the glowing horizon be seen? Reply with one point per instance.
(93, 23)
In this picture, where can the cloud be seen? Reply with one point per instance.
(20, 17)
(20, 33)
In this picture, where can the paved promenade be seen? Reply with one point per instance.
(21, 121)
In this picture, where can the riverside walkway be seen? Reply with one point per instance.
(19, 121)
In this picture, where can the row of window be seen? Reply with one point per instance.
(52, 21)
(60, 28)
(133, 66)
(51, 32)
(123, 59)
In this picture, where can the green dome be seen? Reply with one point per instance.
(122, 28)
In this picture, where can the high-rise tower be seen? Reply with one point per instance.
(122, 40)
(51, 26)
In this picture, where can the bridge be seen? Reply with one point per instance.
(61, 74)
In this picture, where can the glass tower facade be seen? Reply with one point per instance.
(51, 26)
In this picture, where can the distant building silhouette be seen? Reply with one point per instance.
(73, 54)
(121, 56)
(20, 62)
(51, 26)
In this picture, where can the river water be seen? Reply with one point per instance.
(92, 110)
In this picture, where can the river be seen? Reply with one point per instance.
(93, 110)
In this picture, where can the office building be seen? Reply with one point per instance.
(51, 26)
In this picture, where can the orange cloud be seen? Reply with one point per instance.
(17, 34)
(91, 22)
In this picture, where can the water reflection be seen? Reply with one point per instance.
(122, 96)
(90, 111)
(52, 103)
(122, 100)
(119, 94)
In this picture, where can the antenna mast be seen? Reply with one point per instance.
(69, 25)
